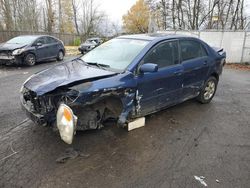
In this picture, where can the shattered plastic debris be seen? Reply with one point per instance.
(70, 153)
(217, 181)
(201, 180)
(173, 121)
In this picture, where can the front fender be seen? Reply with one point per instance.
(121, 86)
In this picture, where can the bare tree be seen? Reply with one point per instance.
(200, 14)
(75, 7)
(242, 18)
(50, 15)
(5, 6)
(90, 17)
(26, 15)
(60, 15)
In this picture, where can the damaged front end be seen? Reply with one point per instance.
(55, 109)
(42, 109)
(70, 109)
(83, 95)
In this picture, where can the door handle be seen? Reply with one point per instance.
(205, 62)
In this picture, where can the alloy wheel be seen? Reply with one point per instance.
(209, 90)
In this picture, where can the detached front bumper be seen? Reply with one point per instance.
(85, 49)
(10, 60)
(37, 118)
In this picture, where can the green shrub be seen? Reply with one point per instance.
(77, 41)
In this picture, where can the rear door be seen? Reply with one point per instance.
(195, 62)
(162, 88)
(52, 47)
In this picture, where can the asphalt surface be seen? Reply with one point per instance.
(209, 141)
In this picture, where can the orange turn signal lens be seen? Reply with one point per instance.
(67, 114)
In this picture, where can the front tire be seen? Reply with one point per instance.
(60, 55)
(30, 59)
(208, 90)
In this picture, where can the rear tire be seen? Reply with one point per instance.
(208, 90)
(30, 59)
(60, 55)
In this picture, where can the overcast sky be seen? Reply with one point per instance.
(115, 9)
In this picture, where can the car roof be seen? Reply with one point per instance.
(36, 36)
(94, 38)
(154, 36)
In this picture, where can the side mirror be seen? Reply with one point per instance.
(39, 44)
(149, 67)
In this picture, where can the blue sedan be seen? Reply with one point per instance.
(125, 78)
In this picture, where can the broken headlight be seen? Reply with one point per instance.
(18, 51)
(66, 123)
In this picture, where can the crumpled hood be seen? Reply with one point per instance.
(6, 46)
(63, 74)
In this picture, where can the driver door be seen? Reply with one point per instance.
(163, 88)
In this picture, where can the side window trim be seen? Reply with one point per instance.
(201, 46)
(36, 41)
(155, 46)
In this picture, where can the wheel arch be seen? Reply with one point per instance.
(62, 50)
(27, 53)
(216, 75)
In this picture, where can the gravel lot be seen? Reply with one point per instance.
(176, 144)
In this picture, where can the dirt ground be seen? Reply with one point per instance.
(209, 141)
(72, 50)
(237, 66)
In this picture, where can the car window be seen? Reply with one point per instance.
(116, 53)
(191, 50)
(22, 40)
(164, 54)
(51, 40)
(41, 40)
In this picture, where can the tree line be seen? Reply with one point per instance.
(185, 15)
(82, 17)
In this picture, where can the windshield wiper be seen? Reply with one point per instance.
(98, 64)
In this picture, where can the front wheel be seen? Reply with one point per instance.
(30, 59)
(208, 91)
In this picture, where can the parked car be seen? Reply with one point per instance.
(29, 49)
(125, 78)
(89, 45)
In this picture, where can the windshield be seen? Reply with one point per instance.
(116, 53)
(90, 41)
(22, 40)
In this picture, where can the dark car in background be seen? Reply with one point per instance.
(125, 78)
(90, 44)
(29, 49)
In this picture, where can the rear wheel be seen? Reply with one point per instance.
(60, 55)
(30, 59)
(208, 91)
